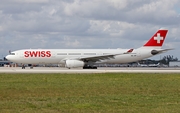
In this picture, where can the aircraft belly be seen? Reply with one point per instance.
(38, 61)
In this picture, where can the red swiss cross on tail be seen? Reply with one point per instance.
(157, 39)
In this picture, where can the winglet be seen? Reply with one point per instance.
(129, 51)
(157, 39)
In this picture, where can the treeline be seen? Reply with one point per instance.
(165, 60)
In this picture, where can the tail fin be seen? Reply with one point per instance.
(157, 39)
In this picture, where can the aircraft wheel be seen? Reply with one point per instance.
(89, 67)
(23, 67)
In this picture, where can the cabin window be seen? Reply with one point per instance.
(106, 53)
(61, 53)
(89, 53)
(74, 53)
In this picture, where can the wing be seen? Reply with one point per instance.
(98, 58)
(103, 57)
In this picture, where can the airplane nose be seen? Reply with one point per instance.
(7, 57)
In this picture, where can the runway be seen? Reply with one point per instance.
(80, 70)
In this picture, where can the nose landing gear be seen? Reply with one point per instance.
(23, 66)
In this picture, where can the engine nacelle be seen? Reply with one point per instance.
(74, 63)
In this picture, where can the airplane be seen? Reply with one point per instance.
(148, 65)
(87, 58)
(154, 65)
(142, 65)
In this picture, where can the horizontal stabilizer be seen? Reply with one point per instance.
(155, 52)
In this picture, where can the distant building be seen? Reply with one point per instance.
(174, 63)
(2, 63)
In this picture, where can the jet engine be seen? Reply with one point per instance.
(74, 63)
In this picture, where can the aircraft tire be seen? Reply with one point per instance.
(89, 67)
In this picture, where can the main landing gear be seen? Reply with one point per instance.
(89, 67)
(29, 65)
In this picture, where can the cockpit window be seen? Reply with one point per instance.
(12, 53)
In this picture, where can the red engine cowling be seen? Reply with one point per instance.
(74, 63)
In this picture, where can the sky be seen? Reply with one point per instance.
(87, 24)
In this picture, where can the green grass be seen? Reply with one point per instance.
(90, 93)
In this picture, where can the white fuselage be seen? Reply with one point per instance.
(59, 56)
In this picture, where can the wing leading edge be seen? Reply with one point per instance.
(103, 57)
